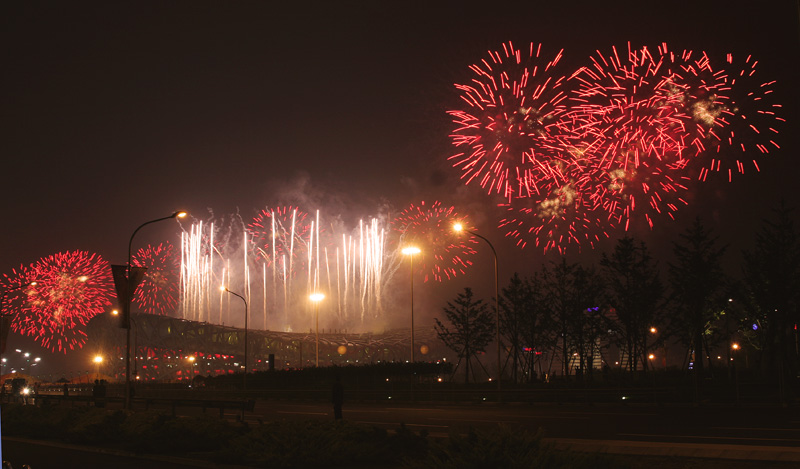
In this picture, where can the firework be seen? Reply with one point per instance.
(64, 292)
(567, 216)
(631, 114)
(445, 254)
(278, 235)
(508, 127)
(698, 93)
(158, 292)
(626, 109)
(748, 121)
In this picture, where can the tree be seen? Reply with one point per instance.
(635, 292)
(523, 322)
(772, 279)
(563, 299)
(514, 302)
(472, 324)
(589, 324)
(698, 287)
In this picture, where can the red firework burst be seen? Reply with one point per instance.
(445, 253)
(14, 290)
(748, 121)
(279, 234)
(158, 292)
(699, 94)
(632, 116)
(510, 124)
(627, 109)
(619, 148)
(568, 215)
(64, 292)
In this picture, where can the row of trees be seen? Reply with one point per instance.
(574, 312)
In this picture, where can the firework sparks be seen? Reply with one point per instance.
(615, 142)
(748, 121)
(445, 254)
(61, 293)
(507, 129)
(158, 292)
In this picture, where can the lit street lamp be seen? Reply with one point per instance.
(98, 360)
(411, 251)
(130, 287)
(244, 378)
(316, 298)
(459, 227)
(735, 347)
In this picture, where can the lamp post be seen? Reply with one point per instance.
(98, 360)
(316, 298)
(411, 251)
(244, 378)
(459, 227)
(735, 348)
(191, 359)
(127, 305)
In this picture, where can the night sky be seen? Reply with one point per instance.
(115, 113)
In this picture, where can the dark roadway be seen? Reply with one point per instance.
(763, 433)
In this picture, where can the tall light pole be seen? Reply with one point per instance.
(244, 378)
(126, 306)
(459, 227)
(316, 298)
(411, 251)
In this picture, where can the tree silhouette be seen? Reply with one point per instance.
(772, 279)
(472, 328)
(698, 287)
(635, 292)
(524, 322)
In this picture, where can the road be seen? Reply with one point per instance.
(732, 432)
(766, 433)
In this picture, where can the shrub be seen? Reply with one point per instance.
(505, 449)
(319, 444)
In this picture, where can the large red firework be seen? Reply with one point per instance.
(628, 108)
(62, 293)
(507, 131)
(631, 114)
(430, 227)
(158, 292)
(279, 235)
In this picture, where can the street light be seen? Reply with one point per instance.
(98, 360)
(244, 378)
(316, 298)
(191, 359)
(127, 305)
(411, 251)
(458, 227)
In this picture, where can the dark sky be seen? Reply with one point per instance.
(115, 113)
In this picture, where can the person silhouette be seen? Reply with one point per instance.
(337, 397)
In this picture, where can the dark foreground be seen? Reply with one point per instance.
(44, 454)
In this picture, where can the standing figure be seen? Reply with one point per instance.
(337, 397)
